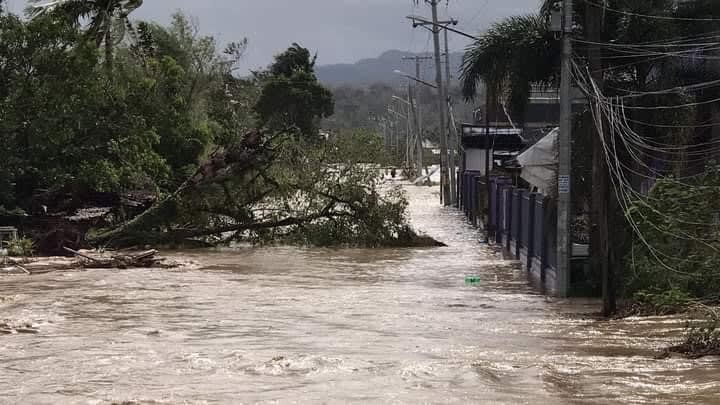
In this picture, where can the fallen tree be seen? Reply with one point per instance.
(273, 188)
(212, 179)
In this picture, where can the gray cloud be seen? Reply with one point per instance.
(339, 30)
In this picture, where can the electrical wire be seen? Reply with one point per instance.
(626, 194)
(650, 16)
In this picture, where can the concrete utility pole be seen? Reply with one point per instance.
(564, 239)
(408, 129)
(453, 141)
(399, 116)
(442, 104)
(418, 135)
(383, 125)
(444, 168)
(418, 111)
(393, 134)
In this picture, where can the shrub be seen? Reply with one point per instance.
(702, 339)
(678, 220)
(660, 302)
(23, 247)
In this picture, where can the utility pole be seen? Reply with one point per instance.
(564, 170)
(418, 111)
(396, 123)
(408, 126)
(383, 124)
(603, 200)
(442, 105)
(418, 135)
(444, 162)
(452, 144)
(407, 118)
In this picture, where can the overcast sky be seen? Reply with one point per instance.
(341, 31)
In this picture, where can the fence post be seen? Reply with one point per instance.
(492, 202)
(549, 224)
(464, 187)
(511, 219)
(468, 194)
(458, 189)
(520, 221)
(480, 198)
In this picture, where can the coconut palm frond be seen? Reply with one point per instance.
(107, 21)
(130, 5)
(510, 57)
(72, 8)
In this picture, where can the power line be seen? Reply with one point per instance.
(650, 16)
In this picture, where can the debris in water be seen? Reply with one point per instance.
(10, 328)
(472, 280)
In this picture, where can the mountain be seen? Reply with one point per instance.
(381, 70)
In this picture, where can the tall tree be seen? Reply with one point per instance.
(292, 94)
(107, 20)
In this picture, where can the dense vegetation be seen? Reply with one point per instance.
(647, 143)
(152, 122)
(362, 107)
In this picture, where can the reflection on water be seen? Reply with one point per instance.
(313, 325)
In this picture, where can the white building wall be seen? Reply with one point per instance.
(475, 160)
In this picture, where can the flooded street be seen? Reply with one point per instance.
(292, 325)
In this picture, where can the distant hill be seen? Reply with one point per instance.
(380, 70)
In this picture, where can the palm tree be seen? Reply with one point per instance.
(107, 20)
(510, 57)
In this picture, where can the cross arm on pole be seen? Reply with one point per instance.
(397, 113)
(416, 79)
(406, 102)
(422, 22)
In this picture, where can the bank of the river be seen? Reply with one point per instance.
(295, 325)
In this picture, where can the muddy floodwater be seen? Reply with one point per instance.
(288, 325)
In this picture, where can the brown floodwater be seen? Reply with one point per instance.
(291, 325)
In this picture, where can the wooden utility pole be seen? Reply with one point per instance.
(564, 239)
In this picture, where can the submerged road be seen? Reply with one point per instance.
(288, 325)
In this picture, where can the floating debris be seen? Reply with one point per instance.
(10, 328)
(472, 280)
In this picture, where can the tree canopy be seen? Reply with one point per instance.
(215, 157)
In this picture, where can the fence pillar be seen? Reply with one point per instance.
(522, 219)
(550, 241)
(511, 218)
(480, 201)
(458, 190)
(531, 229)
